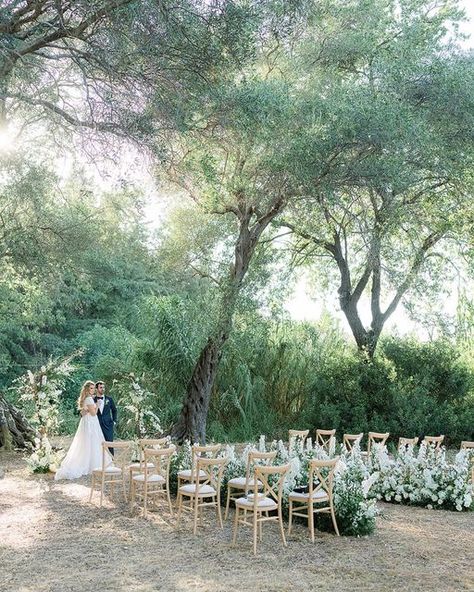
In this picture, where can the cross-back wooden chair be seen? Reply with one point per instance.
(350, 440)
(320, 480)
(155, 479)
(405, 442)
(260, 504)
(376, 438)
(246, 483)
(113, 470)
(138, 467)
(196, 452)
(202, 489)
(467, 445)
(325, 438)
(435, 441)
(303, 434)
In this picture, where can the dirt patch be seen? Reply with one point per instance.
(53, 540)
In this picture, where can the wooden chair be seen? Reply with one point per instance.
(376, 438)
(246, 483)
(349, 440)
(303, 434)
(466, 445)
(138, 467)
(113, 470)
(434, 440)
(200, 490)
(155, 479)
(325, 438)
(259, 504)
(405, 442)
(196, 452)
(320, 492)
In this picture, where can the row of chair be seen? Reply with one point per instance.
(261, 489)
(326, 439)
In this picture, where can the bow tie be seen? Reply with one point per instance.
(100, 398)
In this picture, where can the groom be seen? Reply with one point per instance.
(106, 412)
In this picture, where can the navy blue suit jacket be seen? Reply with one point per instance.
(107, 418)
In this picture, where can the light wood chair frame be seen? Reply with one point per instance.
(214, 470)
(467, 445)
(376, 438)
(156, 462)
(324, 438)
(197, 452)
(436, 440)
(307, 507)
(120, 461)
(254, 458)
(349, 440)
(303, 434)
(260, 514)
(138, 467)
(405, 442)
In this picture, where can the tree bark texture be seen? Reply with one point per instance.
(15, 431)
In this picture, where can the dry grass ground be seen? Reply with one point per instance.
(53, 540)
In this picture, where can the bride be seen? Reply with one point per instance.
(85, 453)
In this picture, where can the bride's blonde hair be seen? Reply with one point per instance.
(84, 393)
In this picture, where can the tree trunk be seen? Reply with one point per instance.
(15, 431)
(191, 424)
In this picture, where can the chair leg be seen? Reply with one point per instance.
(196, 508)
(236, 525)
(180, 507)
(227, 503)
(169, 501)
(219, 513)
(282, 530)
(311, 520)
(255, 527)
(333, 516)
(260, 535)
(124, 487)
(145, 500)
(290, 517)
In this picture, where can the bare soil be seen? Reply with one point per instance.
(53, 540)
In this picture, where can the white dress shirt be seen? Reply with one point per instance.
(101, 403)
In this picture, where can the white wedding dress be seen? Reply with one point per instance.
(85, 453)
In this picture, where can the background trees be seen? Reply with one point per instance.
(347, 123)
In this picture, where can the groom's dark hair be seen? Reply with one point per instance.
(98, 383)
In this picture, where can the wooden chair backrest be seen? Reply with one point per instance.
(256, 458)
(466, 445)
(325, 477)
(303, 434)
(404, 442)
(198, 452)
(349, 440)
(122, 454)
(272, 489)
(150, 443)
(324, 438)
(376, 438)
(436, 440)
(214, 470)
(160, 458)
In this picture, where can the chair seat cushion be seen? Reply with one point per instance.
(110, 469)
(137, 465)
(317, 495)
(203, 489)
(239, 482)
(186, 474)
(263, 502)
(151, 478)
